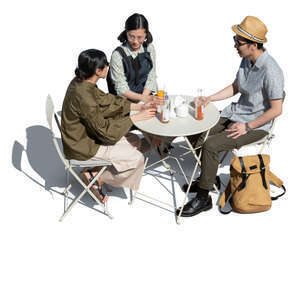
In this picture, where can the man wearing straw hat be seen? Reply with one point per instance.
(260, 82)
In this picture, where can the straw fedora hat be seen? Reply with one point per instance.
(252, 29)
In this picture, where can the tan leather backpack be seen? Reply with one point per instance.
(249, 187)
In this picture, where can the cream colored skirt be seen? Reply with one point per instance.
(127, 162)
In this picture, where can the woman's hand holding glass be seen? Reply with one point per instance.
(158, 101)
(148, 105)
(144, 114)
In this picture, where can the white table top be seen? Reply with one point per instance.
(182, 126)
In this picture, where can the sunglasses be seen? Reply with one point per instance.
(238, 43)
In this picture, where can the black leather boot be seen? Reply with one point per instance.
(196, 205)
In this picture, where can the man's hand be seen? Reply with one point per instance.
(203, 100)
(236, 129)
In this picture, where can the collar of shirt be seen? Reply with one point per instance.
(260, 61)
(132, 52)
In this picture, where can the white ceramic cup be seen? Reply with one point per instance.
(182, 111)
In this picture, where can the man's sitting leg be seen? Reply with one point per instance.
(209, 166)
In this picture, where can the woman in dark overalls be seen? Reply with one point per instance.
(132, 66)
(132, 70)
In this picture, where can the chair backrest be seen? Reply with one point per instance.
(49, 115)
(49, 112)
(271, 135)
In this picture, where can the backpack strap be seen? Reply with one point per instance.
(278, 196)
(244, 175)
(262, 171)
(278, 182)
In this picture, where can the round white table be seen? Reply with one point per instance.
(183, 127)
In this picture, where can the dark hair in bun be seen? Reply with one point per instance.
(136, 21)
(88, 61)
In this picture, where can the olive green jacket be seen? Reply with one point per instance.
(91, 118)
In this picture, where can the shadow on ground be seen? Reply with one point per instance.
(44, 160)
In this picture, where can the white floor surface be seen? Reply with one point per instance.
(142, 253)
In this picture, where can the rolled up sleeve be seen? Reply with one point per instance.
(274, 84)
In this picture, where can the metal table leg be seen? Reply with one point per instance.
(198, 163)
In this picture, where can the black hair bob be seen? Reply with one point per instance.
(259, 45)
(136, 21)
(88, 62)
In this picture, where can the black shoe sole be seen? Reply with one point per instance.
(194, 213)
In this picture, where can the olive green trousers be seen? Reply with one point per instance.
(217, 142)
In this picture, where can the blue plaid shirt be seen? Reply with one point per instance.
(258, 85)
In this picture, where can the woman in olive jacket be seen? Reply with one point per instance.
(95, 125)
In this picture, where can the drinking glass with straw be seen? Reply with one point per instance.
(199, 105)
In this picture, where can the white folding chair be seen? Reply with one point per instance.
(70, 164)
(253, 148)
(256, 147)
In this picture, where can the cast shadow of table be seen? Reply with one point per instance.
(161, 175)
(45, 162)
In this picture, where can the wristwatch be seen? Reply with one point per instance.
(247, 127)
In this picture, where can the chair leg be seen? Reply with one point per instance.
(107, 212)
(146, 162)
(72, 204)
(86, 190)
(132, 197)
(66, 191)
(216, 189)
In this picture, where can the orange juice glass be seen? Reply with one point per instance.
(199, 115)
(160, 94)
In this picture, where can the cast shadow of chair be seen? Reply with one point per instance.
(43, 159)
